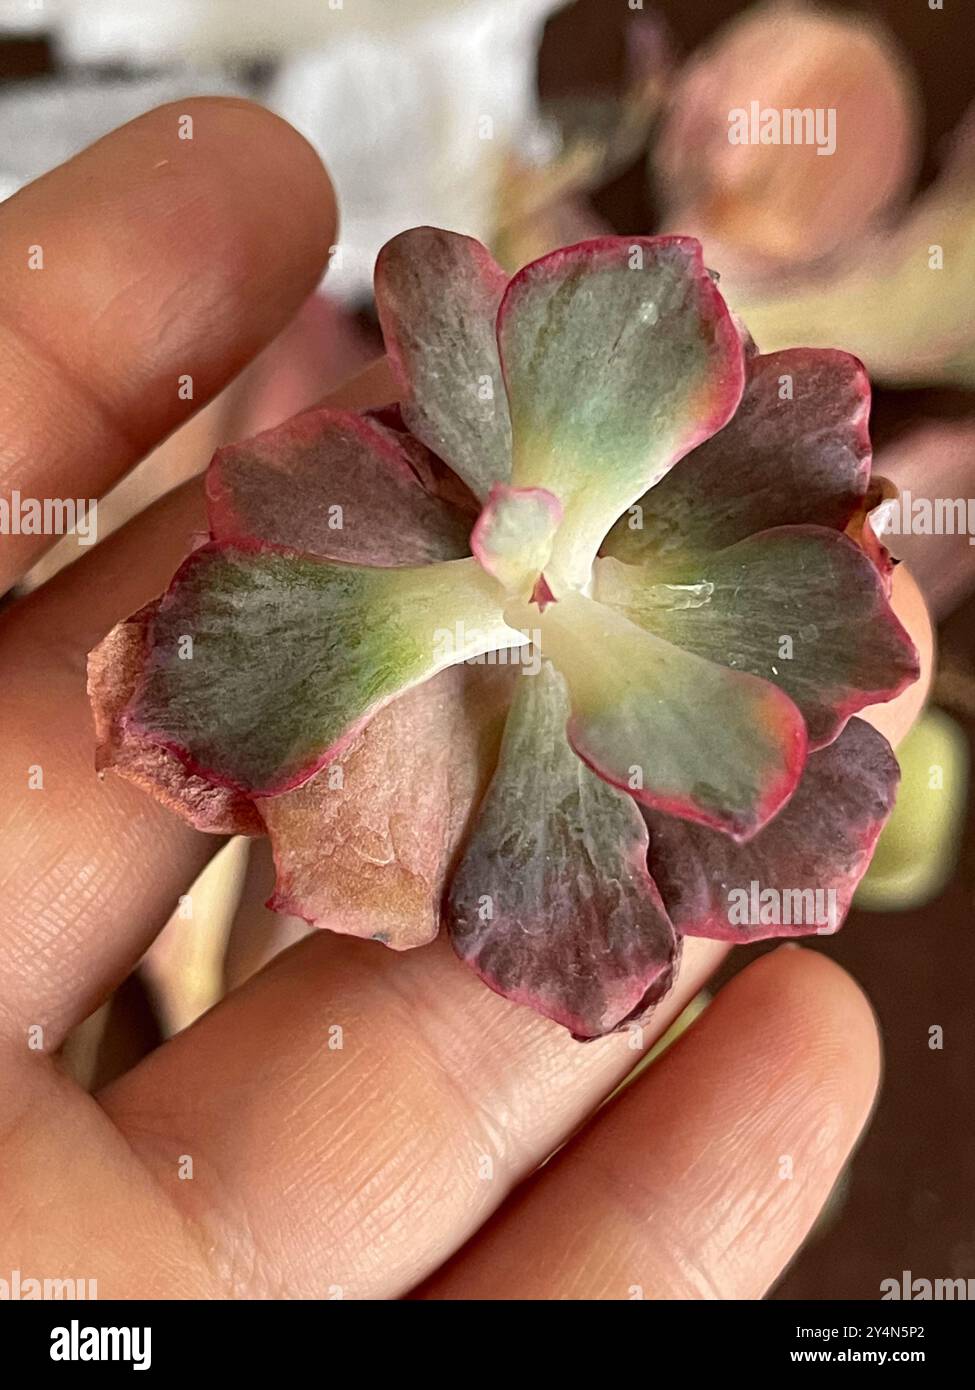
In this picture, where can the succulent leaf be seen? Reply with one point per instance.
(552, 904)
(338, 485)
(264, 664)
(678, 732)
(619, 357)
(366, 846)
(768, 605)
(437, 294)
(822, 841)
(797, 450)
(514, 533)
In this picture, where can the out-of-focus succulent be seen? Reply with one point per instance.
(767, 205)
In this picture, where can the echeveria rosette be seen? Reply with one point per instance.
(666, 658)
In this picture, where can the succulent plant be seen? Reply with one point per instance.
(561, 651)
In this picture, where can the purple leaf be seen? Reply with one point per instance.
(437, 295)
(804, 866)
(338, 485)
(796, 451)
(552, 904)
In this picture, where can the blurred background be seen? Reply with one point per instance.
(532, 123)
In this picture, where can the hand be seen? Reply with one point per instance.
(406, 1161)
